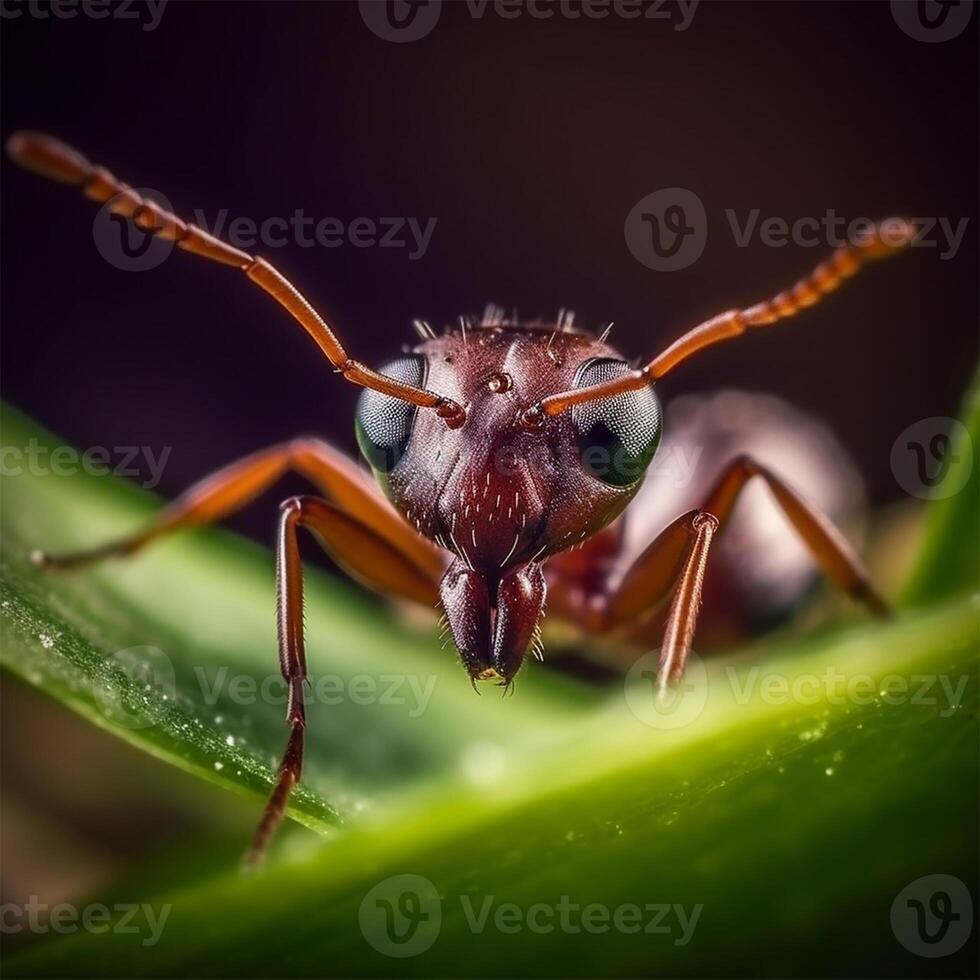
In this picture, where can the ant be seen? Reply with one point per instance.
(500, 448)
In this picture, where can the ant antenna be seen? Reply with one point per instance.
(885, 239)
(53, 159)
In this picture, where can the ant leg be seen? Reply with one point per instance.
(391, 569)
(232, 487)
(292, 663)
(826, 543)
(679, 553)
(676, 558)
(600, 597)
(683, 616)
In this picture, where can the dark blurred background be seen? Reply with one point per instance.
(529, 140)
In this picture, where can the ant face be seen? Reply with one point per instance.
(497, 491)
(505, 490)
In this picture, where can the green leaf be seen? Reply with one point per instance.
(792, 825)
(950, 558)
(780, 807)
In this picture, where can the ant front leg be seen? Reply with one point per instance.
(680, 554)
(388, 568)
(357, 528)
(295, 512)
(361, 512)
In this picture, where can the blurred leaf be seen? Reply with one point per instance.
(949, 562)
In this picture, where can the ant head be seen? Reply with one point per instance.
(507, 488)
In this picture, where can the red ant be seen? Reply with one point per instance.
(501, 446)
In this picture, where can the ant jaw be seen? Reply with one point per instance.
(478, 674)
(493, 639)
(506, 684)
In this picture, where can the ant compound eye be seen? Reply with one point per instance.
(618, 436)
(383, 424)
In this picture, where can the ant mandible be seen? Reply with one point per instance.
(500, 447)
